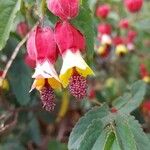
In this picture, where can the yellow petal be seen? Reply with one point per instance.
(146, 79)
(121, 49)
(101, 49)
(73, 61)
(4, 84)
(54, 83)
(38, 84)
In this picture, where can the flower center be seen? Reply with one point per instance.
(78, 86)
(48, 98)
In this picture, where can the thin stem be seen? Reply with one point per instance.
(14, 54)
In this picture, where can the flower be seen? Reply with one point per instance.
(121, 50)
(124, 24)
(144, 73)
(65, 9)
(104, 28)
(74, 69)
(22, 29)
(103, 11)
(4, 85)
(133, 5)
(41, 47)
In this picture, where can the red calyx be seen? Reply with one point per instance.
(133, 5)
(118, 40)
(30, 62)
(103, 11)
(124, 24)
(104, 29)
(64, 9)
(131, 36)
(22, 29)
(41, 45)
(68, 37)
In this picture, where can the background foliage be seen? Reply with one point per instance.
(112, 120)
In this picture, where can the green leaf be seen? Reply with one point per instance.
(131, 99)
(130, 134)
(8, 10)
(142, 140)
(91, 134)
(124, 133)
(78, 133)
(55, 145)
(85, 23)
(20, 81)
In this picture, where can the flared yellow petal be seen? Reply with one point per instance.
(121, 50)
(73, 61)
(146, 79)
(38, 84)
(4, 84)
(55, 84)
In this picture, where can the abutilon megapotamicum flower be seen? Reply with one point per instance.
(74, 70)
(65, 9)
(42, 48)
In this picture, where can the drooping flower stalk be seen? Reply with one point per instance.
(41, 47)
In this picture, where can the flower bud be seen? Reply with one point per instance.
(103, 11)
(124, 24)
(104, 29)
(133, 5)
(64, 9)
(22, 29)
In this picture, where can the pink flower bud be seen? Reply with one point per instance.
(143, 71)
(22, 29)
(68, 37)
(41, 45)
(103, 11)
(64, 9)
(124, 24)
(118, 40)
(30, 62)
(133, 5)
(104, 29)
(45, 44)
(131, 35)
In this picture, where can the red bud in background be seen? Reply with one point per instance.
(65, 9)
(143, 71)
(131, 35)
(118, 40)
(124, 24)
(30, 62)
(22, 29)
(104, 29)
(103, 11)
(92, 94)
(68, 37)
(146, 107)
(133, 5)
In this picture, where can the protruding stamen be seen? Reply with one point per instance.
(78, 86)
(48, 98)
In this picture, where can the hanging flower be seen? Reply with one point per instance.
(65, 9)
(121, 50)
(144, 73)
(74, 70)
(103, 11)
(133, 6)
(42, 48)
